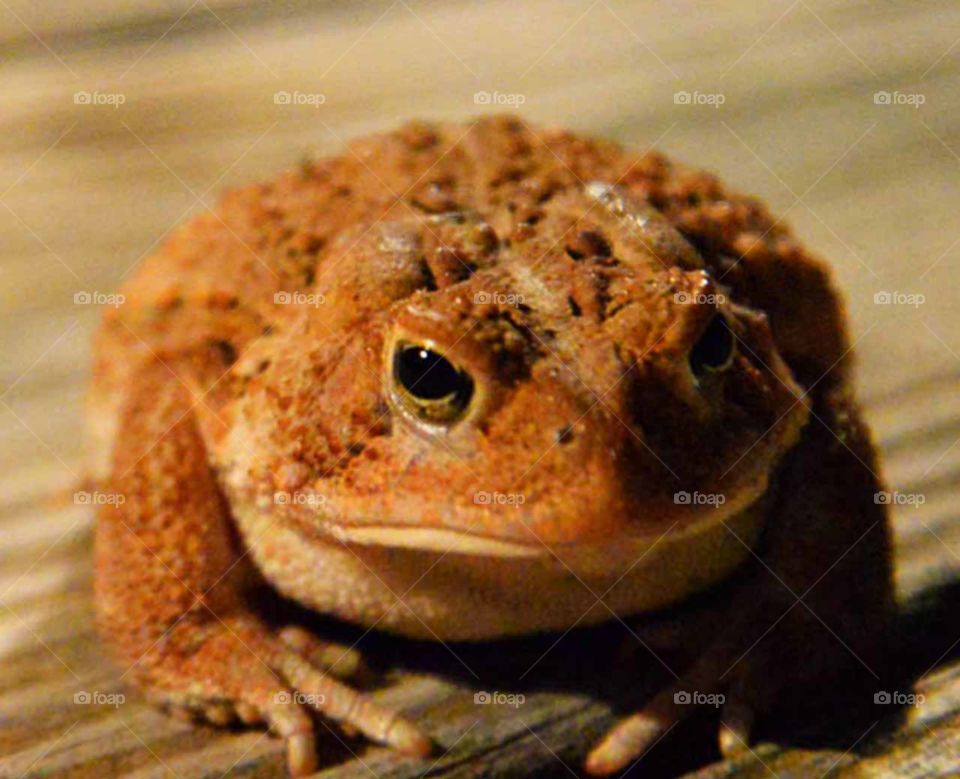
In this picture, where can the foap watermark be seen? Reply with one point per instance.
(695, 498)
(297, 298)
(700, 298)
(497, 698)
(94, 298)
(115, 99)
(498, 98)
(697, 698)
(914, 99)
(895, 498)
(97, 698)
(315, 99)
(498, 298)
(300, 698)
(714, 99)
(299, 499)
(898, 698)
(897, 298)
(483, 498)
(83, 498)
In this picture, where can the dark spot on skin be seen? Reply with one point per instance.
(564, 434)
(574, 306)
(355, 448)
(513, 174)
(530, 217)
(429, 280)
(309, 277)
(263, 365)
(267, 330)
(546, 195)
(228, 352)
(588, 243)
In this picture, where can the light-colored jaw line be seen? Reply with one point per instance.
(470, 587)
(449, 540)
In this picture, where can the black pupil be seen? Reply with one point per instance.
(429, 376)
(714, 348)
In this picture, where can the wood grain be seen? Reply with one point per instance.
(87, 190)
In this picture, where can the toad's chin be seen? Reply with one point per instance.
(427, 583)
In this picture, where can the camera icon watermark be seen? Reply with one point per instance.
(299, 698)
(97, 698)
(895, 498)
(697, 698)
(95, 498)
(115, 99)
(684, 498)
(498, 298)
(281, 498)
(913, 99)
(700, 298)
(898, 698)
(713, 99)
(315, 99)
(499, 98)
(94, 298)
(497, 698)
(298, 298)
(483, 498)
(896, 298)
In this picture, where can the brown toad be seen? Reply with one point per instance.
(456, 384)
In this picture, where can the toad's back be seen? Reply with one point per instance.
(215, 283)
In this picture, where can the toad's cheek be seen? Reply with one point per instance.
(471, 588)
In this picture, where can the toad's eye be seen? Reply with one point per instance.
(715, 348)
(429, 385)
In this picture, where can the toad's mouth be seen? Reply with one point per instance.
(492, 579)
(746, 511)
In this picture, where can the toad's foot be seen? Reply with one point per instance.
(768, 642)
(236, 669)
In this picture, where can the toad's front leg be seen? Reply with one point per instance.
(814, 602)
(170, 599)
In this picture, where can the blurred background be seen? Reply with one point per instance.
(118, 120)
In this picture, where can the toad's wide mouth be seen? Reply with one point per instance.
(686, 527)
(456, 573)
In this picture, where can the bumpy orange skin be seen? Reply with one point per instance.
(571, 280)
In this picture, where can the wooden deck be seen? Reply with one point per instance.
(787, 100)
